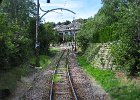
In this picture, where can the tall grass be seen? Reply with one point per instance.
(107, 79)
(44, 61)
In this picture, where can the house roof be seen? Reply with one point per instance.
(72, 26)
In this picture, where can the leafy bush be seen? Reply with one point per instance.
(117, 22)
(14, 50)
(44, 61)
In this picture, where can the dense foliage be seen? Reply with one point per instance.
(17, 41)
(14, 37)
(17, 33)
(117, 22)
(47, 36)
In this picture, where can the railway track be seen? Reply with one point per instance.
(61, 85)
(58, 75)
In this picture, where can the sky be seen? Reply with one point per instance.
(83, 9)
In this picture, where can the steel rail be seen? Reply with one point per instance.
(70, 80)
(52, 83)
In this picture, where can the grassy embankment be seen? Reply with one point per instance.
(9, 78)
(117, 88)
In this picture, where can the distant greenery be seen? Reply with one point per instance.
(47, 36)
(117, 90)
(117, 22)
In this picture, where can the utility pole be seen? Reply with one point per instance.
(37, 26)
(38, 22)
(36, 39)
(75, 41)
(74, 34)
(37, 32)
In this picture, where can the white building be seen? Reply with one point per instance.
(69, 29)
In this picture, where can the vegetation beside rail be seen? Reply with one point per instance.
(13, 75)
(17, 40)
(118, 23)
(117, 89)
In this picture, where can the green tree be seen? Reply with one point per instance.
(117, 22)
(14, 37)
(18, 11)
(47, 36)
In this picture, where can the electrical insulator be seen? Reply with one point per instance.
(48, 1)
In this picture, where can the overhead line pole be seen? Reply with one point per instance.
(37, 26)
(36, 39)
(74, 34)
(37, 32)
